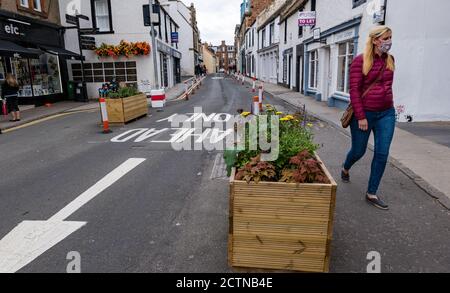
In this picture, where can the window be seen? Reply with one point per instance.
(101, 11)
(37, 5)
(105, 71)
(300, 30)
(272, 33)
(345, 58)
(313, 69)
(24, 3)
(253, 37)
(357, 3)
(263, 38)
(285, 31)
(37, 77)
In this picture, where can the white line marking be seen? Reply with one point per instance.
(95, 190)
(30, 239)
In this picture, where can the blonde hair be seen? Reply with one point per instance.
(11, 80)
(369, 51)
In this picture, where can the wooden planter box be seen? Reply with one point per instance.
(281, 225)
(126, 109)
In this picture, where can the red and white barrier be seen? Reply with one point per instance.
(254, 85)
(256, 106)
(158, 98)
(105, 119)
(186, 90)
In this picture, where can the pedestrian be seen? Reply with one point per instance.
(10, 91)
(371, 79)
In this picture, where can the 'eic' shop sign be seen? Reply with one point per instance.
(13, 30)
(307, 18)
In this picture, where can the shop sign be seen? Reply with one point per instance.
(16, 30)
(307, 18)
(343, 36)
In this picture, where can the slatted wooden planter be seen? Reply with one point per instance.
(124, 110)
(281, 225)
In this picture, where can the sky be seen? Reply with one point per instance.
(216, 19)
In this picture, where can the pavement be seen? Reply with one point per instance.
(169, 213)
(421, 151)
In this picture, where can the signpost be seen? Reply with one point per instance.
(307, 18)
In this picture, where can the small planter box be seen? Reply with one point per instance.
(125, 110)
(281, 225)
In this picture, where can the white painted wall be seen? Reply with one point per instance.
(127, 28)
(252, 48)
(182, 16)
(421, 49)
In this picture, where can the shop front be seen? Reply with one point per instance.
(170, 65)
(34, 52)
(329, 57)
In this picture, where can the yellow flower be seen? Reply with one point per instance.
(309, 125)
(245, 114)
(284, 119)
(279, 113)
(289, 117)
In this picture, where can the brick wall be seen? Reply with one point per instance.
(50, 10)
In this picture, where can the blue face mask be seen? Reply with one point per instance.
(385, 46)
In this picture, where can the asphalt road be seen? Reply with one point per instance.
(168, 214)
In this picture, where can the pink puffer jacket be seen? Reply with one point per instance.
(380, 97)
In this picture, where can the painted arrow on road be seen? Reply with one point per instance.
(30, 239)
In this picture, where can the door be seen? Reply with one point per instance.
(289, 71)
(300, 79)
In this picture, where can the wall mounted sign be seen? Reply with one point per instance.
(307, 18)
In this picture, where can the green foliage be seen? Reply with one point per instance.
(124, 92)
(293, 140)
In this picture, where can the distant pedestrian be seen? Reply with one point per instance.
(10, 90)
(371, 79)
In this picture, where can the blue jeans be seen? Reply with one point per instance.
(383, 126)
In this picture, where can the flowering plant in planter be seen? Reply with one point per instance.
(296, 162)
(126, 49)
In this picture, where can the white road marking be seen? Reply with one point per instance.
(95, 190)
(30, 239)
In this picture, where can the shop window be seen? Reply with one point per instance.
(314, 69)
(105, 72)
(37, 77)
(2, 69)
(345, 58)
(101, 15)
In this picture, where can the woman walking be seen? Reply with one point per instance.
(371, 79)
(10, 91)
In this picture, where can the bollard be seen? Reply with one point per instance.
(256, 107)
(105, 120)
(260, 96)
(186, 91)
(254, 85)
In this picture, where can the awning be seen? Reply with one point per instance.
(13, 50)
(61, 52)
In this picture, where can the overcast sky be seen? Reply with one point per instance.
(216, 19)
